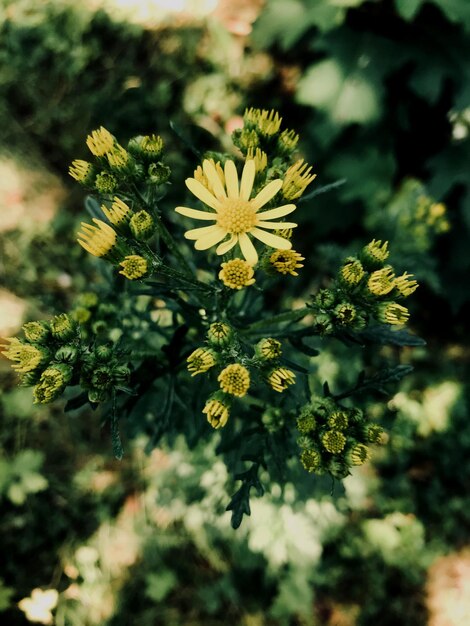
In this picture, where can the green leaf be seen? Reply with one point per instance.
(384, 334)
(240, 502)
(160, 585)
(408, 8)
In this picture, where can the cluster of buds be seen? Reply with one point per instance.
(334, 438)
(47, 356)
(235, 369)
(263, 140)
(365, 289)
(53, 355)
(120, 236)
(103, 371)
(114, 168)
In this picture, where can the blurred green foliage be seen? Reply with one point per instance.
(380, 97)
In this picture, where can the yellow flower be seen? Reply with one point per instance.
(52, 383)
(358, 454)
(106, 183)
(217, 411)
(235, 380)
(288, 140)
(63, 327)
(259, 157)
(375, 252)
(27, 357)
(100, 142)
(297, 179)
(81, 170)
(392, 313)
(286, 261)
(118, 213)
(236, 274)
(280, 378)
(37, 332)
(269, 349)
(267, 122)
(200, 361)
(200, 176)
(152, 145)
(406, 286)
(234, 213)
(118, 157)
(381, 281)
(133, 267)
(333, 441)
(39, 605)
(352, 271)
(97, 240)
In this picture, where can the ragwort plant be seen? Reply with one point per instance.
(183, 341)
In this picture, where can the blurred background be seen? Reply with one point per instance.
(379, 91)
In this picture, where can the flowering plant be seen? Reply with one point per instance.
(183, 342)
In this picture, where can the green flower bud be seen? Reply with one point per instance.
(97, 395)
(287, 141)
(312, 461)
(304, 442)
(338, 420)
(121, 374)
(103, 353)
(355, 415)
(36, 332)
(338, 468)
(373, 433)
(345, 314)
(219, 334)
(142, 225)
(325, 298)
(81, 315)
(102, 377)
(323, 324)
(268, 349)
(89, 299)
(245, 139)
(158, 173)
(63, 327)
(106, 183)
(306, 423)
(66, 354)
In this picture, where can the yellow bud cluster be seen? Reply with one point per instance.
(286, 261)
(200, 361)
(217, 412)
(237, 274)
(267, 122)
(133, 267)
(280, 379)
(296, 180)
(259, 157)
(118, 213)
(235, 380)
(27, 357)
(100, 142)
(98, 240)
(381, 281)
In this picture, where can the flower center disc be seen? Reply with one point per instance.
(236, 216)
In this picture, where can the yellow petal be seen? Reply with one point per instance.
(271, 240)
(197, 215)
(248, 249)
(213, 178)
(248, 177)
(197, 233)
(279, 211)
(276, 225)
(267, 193)
(201, 192)
(227, 245)
(207, 241)
(231, 179)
